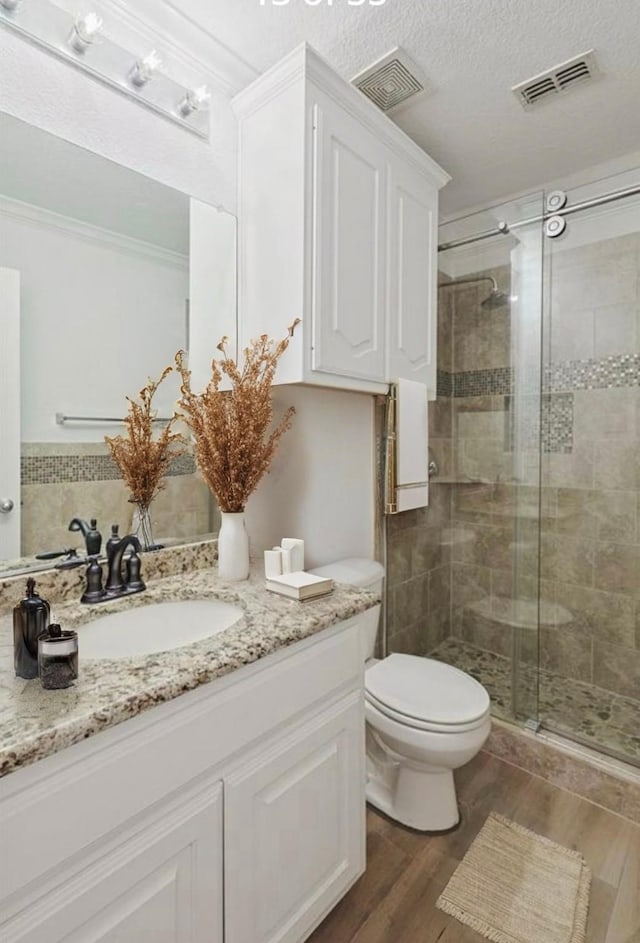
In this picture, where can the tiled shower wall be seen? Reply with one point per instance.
(419, 548)
(485, 533)
(590, 562)
(62, 481)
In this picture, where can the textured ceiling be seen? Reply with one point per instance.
(471, 52)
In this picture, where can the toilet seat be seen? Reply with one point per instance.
(426, 694)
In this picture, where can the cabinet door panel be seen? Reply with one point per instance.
(411, 340)
(294, 829)
(163, 884)
(349, 246)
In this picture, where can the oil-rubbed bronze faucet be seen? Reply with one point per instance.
(118, 584)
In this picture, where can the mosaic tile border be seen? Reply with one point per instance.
(549, 417)
(607, 373)
(616, 371)
(60, 469)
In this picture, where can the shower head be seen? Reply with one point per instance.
(495, 300)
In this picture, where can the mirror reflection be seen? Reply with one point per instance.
(104, 275)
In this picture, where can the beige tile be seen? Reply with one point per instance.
(608, 617)
(572, 328)
(603, 515)
(438, 628)
(615, 329)
(576, 470)
(604, 281)
(410, 640)
(617, 568)
(399, 561)
(481, 424)
(603, 414)
(441, 417)
(484, 458)
(472, 502)
(617, 464)
(617, 669)
(566, 651)
(564, 769)
(488, 634)
(428, 550)
(440, 588)
(410, 602)
(469, 583)
(566, 559)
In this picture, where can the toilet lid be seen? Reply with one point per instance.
(424, 689)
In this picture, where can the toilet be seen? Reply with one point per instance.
(424, 719)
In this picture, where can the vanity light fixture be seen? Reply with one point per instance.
(196, 99)
(144, 68)
(81, 42)
(86, 30)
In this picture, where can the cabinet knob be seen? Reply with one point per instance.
(6, 505)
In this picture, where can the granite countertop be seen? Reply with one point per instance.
(35, 723)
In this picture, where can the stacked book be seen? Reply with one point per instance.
(299, 585)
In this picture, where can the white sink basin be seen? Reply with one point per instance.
(159, 627)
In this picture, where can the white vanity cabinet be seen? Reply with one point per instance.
(338, 222)
(233, 814)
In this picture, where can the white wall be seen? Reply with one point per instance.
(212, 288)
(99, 314)
(321, 484)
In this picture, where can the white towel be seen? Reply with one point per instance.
(412, 447)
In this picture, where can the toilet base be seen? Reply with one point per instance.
(421, 799)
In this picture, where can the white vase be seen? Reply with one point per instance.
(233, 547)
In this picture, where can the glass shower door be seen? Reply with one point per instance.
(590, 549)
(480, 536)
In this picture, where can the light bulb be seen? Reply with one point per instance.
(196, 99)
(86, 29)
(143, 69)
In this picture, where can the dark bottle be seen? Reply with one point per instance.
(93, 539)
(30, 619)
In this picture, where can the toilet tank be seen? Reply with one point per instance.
(365, 574)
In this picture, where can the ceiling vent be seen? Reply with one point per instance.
(390, 81)
(561, 78)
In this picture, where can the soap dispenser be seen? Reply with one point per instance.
(30, 619)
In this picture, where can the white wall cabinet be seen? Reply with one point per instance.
(123, 838)
(338, 221)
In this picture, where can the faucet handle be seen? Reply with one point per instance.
(94, 591)
(134, 581)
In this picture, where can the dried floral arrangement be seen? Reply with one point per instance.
(144, 461)
(232, 442)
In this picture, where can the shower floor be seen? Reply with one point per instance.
(598, 718)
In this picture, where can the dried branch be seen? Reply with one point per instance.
(232, 442)
(144, 461)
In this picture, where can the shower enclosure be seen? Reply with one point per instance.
(525, 569)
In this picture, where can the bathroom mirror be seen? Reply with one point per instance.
(104, 275)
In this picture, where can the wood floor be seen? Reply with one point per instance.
(394, 901)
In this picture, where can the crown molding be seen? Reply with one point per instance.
(47, 219)
(304, 61)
